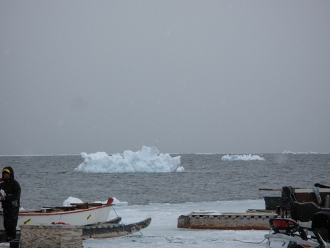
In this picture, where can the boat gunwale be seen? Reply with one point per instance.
(75, 211)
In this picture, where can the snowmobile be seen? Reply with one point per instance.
(305, 225)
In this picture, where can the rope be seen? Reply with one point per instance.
(249, 242)
(39, 240)
(252, 242)
(42, 237)
(124, 224)
(29, 237)
(117, 215)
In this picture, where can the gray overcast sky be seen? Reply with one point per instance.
(182, 75)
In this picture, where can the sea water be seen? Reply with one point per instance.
(49, 180)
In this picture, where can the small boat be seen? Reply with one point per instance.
(111, 230)
(75, 214)
(62, 235)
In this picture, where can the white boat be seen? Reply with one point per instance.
(77, 214)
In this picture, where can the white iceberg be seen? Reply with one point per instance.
(148, 160)
(241, 157)
(70, 200)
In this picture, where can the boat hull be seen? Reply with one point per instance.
(82, 217)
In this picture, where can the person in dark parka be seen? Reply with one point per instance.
(10, 199)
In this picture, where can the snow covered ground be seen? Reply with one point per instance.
(163, 231)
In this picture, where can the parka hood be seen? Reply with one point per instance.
(11, 171)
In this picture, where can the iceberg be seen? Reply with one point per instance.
(71, 200)
(241, 157)
(289, 152)
(147, 160)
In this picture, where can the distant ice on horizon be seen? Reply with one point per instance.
(289, 152)
(147, 160)
(241, 157)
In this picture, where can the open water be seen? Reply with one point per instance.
(49, 180)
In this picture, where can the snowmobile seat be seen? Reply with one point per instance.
(304, 211)
(288, 191)
(321, 225)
